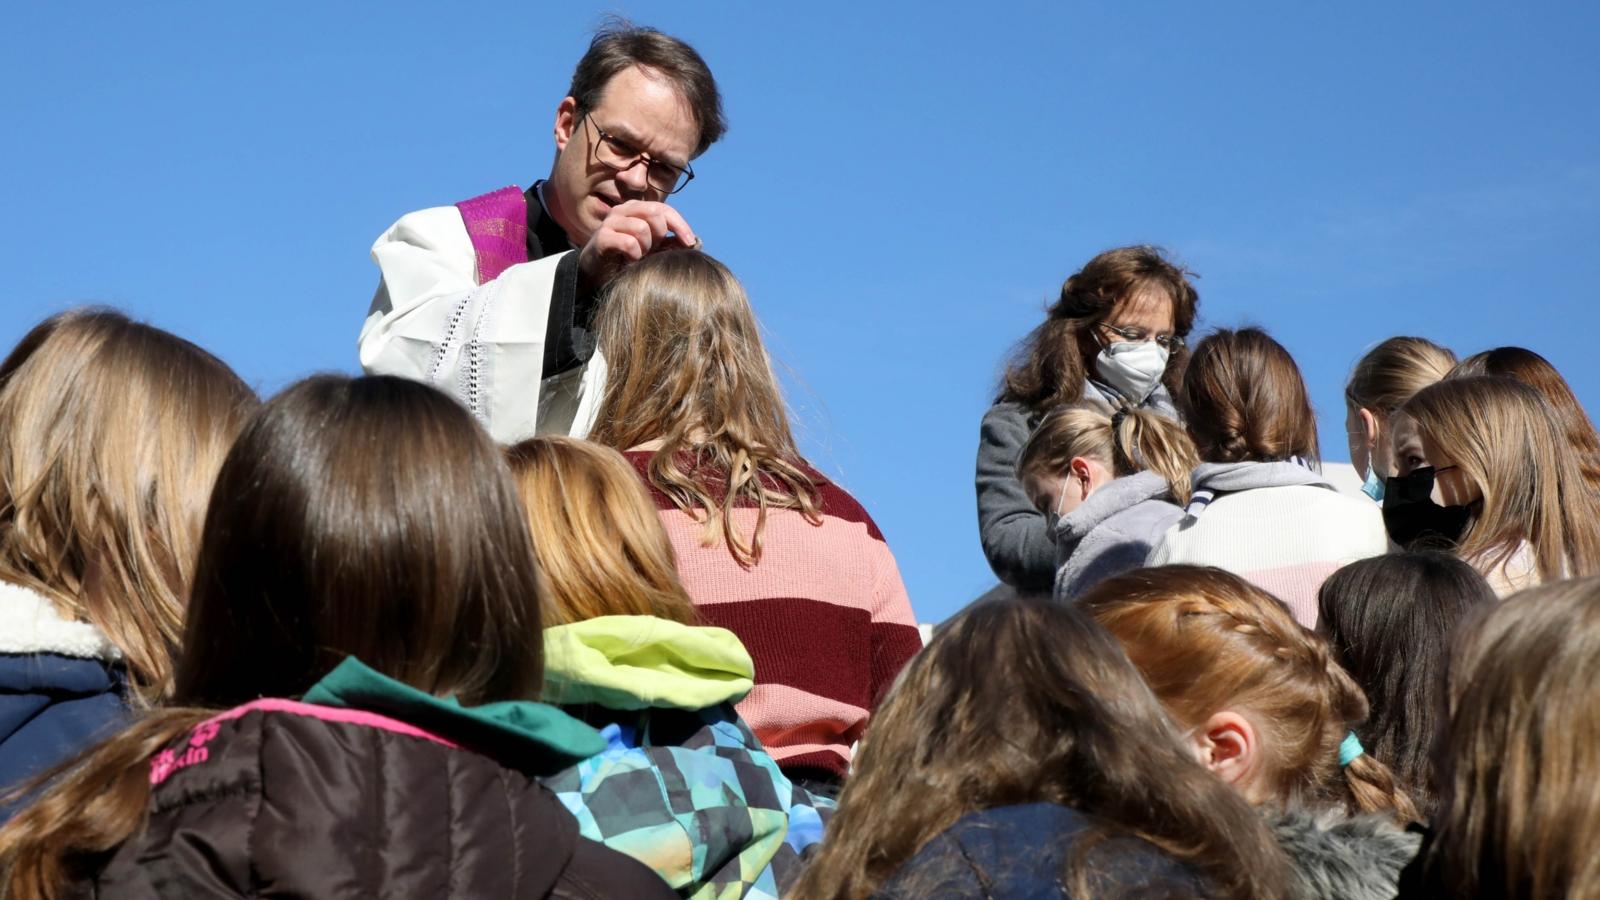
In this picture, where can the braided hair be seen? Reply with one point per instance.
(1206, 640)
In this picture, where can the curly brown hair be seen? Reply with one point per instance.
(1049, 366)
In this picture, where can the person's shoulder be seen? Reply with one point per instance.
(1007, 416)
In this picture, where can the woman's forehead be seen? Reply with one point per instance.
(1145, 303)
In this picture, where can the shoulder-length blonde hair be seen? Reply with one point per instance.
(1508, 442)
(1135, 440)
(686, 366)
(1207, 640)
(600, 543)
(1519, 758)
(111, 433)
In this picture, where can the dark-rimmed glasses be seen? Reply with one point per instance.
(620, 156)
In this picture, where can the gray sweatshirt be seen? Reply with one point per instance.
(1112, 532)
(1016, 537)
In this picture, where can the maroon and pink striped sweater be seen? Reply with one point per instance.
(824, 615)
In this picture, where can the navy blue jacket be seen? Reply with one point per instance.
(61, 688)
(1022, 853)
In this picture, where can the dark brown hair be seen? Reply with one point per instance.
(1244, 400)
(1049, 367)
(1518, 810)
(1536, 372)
(1206, 640)
(1022, 701)
(366, 517)
(1391, 620)
(619, 45)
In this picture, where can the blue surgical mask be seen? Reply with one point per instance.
(1373, 486)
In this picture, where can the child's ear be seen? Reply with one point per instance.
(1080, 470)
(1228, 745)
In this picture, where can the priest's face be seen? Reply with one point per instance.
(641, 113)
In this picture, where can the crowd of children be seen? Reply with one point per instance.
(343, 642)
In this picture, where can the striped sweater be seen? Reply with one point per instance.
(824, 615)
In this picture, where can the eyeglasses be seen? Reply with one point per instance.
(1167, 342)
(620, 156)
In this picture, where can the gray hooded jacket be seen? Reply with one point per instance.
(1112, 532)
(1016, 537)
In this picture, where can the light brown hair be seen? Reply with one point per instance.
(1391, 372)
(1207, 640)
(1536, 372)
(1518, 811)
(601, 546)
(1049, 366)
(366, 517)
(1507, 441)
(619, 44)
(111, 432)
(1244, 400)
(685, 365)
(1022, 701)
(1133, 441)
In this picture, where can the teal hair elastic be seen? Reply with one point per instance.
(1349, 749)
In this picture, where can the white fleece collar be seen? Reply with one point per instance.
(29, 623)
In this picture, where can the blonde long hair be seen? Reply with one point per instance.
(599, 540)
(1207, 640)
(1141, 440)
(1508, 442)
(1023, 701)
(1390, 373)
(686, 366)
(111, 433)
(1538, 373)
(1520, 754)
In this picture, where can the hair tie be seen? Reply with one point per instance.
(1349, 749)
(1118, 417)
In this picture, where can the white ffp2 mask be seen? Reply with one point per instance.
(1133, 368)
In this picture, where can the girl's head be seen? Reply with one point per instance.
(686, 367)
(1495, 448)
(1536, 372)
(367, 517)
(110, 435)
(1076, 450)
(1383, 380)
(1265, 704)
(1244, 400)
(1127, 295)
(1390, 620)
(1023, 701)
(1517, 766)
(601, 547)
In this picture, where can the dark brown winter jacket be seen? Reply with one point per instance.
(287, 799)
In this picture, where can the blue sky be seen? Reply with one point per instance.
(903, 187)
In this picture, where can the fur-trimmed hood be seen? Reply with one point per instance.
(1342, 857)
(30, 623)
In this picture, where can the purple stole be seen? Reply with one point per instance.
(497, 223)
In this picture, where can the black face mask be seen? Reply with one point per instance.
(1414, 520)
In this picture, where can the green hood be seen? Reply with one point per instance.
(536, 737)
(637, 662)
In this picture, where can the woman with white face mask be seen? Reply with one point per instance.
(1114, 340)
(1382, 381)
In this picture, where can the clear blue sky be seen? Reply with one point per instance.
(903, 187)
